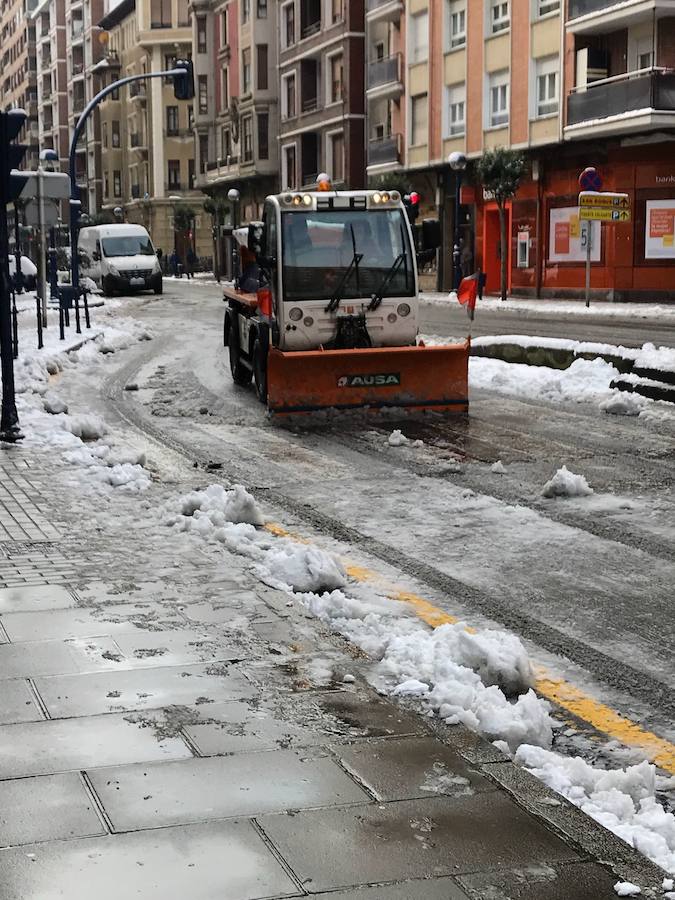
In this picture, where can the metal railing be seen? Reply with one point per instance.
(584, 7)
(136, 140)
(643, 89)
(137, 90)
(311, 104)
(310, 29)
(384, 71)
(385, 149)
(376, 4)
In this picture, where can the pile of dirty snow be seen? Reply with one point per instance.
(566, 484)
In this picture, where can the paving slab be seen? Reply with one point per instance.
(59, 657)
(223, 860)
(92, 694)
(194, 790)
(60, 624)
(17, 703)
(405, 768)
(35, 598)
(436, 889)
(60, 745)
(576, 881)
(174, 648)
(54, 807)
(338, 848)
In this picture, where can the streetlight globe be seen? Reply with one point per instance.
(457, 161)
(233, 195)
(118, 212)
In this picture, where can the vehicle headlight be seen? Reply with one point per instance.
(295, 314)
(156, 268)
(403, 309)
(308, 321)
(391, 318)
(113, 271)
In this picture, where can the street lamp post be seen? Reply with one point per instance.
(234, 196)
(458, 165)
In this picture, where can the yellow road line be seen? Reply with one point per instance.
(553, 688)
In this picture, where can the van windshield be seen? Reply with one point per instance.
(127, 245)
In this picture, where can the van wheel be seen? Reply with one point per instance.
(260, 371)
(241, 375)
(107, 288)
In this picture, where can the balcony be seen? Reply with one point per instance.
(385, 150)
(310, 105)
(603, 16)
(135, 191)
(384, 77)
(634, 101)
(137, 141)
(137, 91)
(384, 10)
(218, 170)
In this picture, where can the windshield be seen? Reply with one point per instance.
(318, 247)
(128, 245)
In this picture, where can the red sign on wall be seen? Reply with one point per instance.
(562, 238)
(661, 222)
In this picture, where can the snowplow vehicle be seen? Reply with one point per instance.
(325, 312)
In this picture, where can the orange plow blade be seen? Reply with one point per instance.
(423, 378)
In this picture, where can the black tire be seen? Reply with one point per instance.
(159, 289)
(241, 375)
(107, 289)
(260, 371)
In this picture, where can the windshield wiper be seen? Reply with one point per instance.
(388, 278)
(353, 267)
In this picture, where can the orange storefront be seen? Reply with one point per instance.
(632, 261)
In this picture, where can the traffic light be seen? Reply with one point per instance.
(412, 206)
(13, 182)
(184, 84)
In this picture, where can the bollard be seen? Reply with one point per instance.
(15, 328)
(78, 329)
(62, 334)
(38, 311)
(87, 322)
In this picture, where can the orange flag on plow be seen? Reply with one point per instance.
(468, 291)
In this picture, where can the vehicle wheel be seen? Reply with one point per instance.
(107, 289)
(260, 371)
(158, 289)
(241, 375)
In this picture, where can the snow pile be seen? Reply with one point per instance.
(54, 404)
(397, 438)
(498, 468)
(220, 506)
(651, 357)
(627, 889)
(86, 426)
(622, 800)
(566, 484)
(621, 403)
(305, 569)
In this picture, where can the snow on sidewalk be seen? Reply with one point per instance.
(598, 308)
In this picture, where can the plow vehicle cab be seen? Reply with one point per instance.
(334, 319)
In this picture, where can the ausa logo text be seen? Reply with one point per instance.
(379, 380)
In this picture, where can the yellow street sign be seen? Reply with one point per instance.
(604, 198)
(604, 214)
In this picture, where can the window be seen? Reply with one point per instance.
(223, 28)
(419, 37)
(289, 172)
(201, 34)
(191, 173)
(419, 130)
(225, 89)
(288, 24)
(203, 94)
(171, 120)
(117, 183)
(106, 191)
(498, 99)
(499, 16)
(456, 24)
(115, 133)
(456, 110)
(104, 134)
(335, 65)
(263, 136)
(261, 67)
(261, 9)
(336, 156)
(247, 138)
(544, 7)
(183, 13)
(246, 70)
(337, 11)
(160, 13)
(226, 143)
(169, 63)
(245, 10)
(203, 152)
(191, 117)
(288, 106)
(174, 173)
(547, 86)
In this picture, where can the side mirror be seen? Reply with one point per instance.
(159, 253)
(96, 256)
(431, 234)
(256, 235)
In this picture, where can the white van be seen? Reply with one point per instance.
(119, 258)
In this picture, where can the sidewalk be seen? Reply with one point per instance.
(575, 308)
(172, 728)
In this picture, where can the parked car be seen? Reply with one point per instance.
(119, 258)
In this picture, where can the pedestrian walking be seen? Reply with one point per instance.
(175, 263)
(190, 263)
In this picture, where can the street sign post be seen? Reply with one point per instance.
(596, 205)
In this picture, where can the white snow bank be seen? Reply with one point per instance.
(305, 569)
(54, 404)
(85, 426)
(622, 800)
(397, 438)
(566, 484)
(651, 357)
(219, 505)
(626, 889)
(498, 468)
(598, 309)
(622, 403)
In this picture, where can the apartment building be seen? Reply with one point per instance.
(322, 92)
(147, 136)
(49, 17)
(236, 103)
(18, 77)
(385, 79)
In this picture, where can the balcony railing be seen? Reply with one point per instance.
(644, 89)
(584, 7)
(310, 29)
(386, 149)
(136, 139)
(310, 104)
(376, 4)
(384, 71)
(137, 89)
